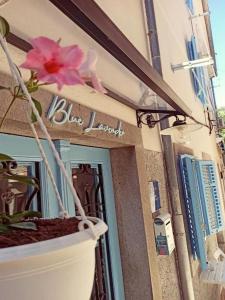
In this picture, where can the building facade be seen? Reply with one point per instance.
(112, 157)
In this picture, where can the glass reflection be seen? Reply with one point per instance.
(14, 194)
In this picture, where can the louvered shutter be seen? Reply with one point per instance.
(202, 92)
(192, 55)
(195, 219)
(209, 194)
(199, 82)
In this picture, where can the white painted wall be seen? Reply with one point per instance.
(129, 16)
(174, 29)
(31, 18)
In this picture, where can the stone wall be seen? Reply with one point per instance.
(155, 170)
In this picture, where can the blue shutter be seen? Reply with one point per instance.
(210, 200)
(193, 209)
(157, 194)
(193, 55)
(190, 6)
(202, 96)
(202, 203)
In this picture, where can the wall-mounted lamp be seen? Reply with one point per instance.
(179, 126)
(206, 61)
(180, 130)
(146, 117)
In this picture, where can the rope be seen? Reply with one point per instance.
(15, 71)
(63, 213)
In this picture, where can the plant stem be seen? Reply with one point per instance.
(46, 83)
(8, 109)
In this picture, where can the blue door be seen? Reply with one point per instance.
(90, 171)
(91, 174)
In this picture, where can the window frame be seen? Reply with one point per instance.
(25, 151)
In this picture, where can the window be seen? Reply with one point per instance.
(16, 195)
(209, 196)
(202, 203)
(204, 183)
(190, 6)
(198, 78)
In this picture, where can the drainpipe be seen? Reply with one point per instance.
(168, 151)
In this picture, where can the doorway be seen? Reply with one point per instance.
(91, 174)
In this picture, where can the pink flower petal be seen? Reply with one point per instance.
(44, 76)
(51, 78)
(90, 64)
(61, 65)
(97, 83)
(65, 77)
(70, 77)
(71, 56)
(34, 60)
(45, 46)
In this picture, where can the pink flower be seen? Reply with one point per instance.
(88, 71)
(53, 63)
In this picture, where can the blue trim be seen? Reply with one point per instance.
(95, 156)
(64, 148)
(25, 150)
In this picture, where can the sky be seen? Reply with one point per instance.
(217, 15)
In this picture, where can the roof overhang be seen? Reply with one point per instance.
(92, 19)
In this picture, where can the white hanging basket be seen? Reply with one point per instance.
(56, 269)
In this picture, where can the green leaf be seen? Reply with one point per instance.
(3, 228)
(4, 27)
(39, 109)
(24, 225)
(5, 157)
(23, 179)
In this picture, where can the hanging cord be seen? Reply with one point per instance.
(84, 220)
(63, 213)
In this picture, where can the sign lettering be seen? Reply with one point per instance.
(60, 112)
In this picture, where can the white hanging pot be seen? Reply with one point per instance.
(56, 269)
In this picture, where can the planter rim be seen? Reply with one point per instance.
(43, 247)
